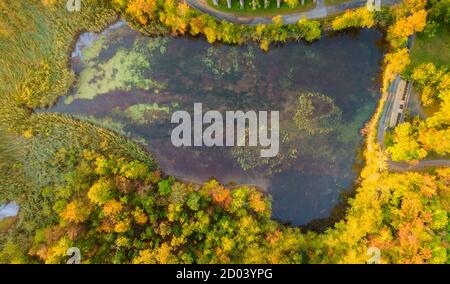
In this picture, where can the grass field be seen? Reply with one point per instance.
(272, 10)
(435, 50)
(36, 40)
(6, 223)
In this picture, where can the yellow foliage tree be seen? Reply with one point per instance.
(395, 63)
(145, 257)
(359, 18)
(100, 191)
(55, 253)
(112, 208)
(76, 211)
(405, 27)
(142, 10)
(256, 202)
(139, 216)
(122, 226)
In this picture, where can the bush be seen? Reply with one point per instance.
(292, 3)
(360, 18)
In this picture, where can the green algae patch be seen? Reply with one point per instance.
(316, 113)
(147, 113)
(93, 52)
(126, 70)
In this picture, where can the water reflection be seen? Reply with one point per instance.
(325, 92)
(8, 210)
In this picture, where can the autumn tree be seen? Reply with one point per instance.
(404, 27)
(76, 211)
(359, 18)
(142, 10)
(395, 64)
(405, 146)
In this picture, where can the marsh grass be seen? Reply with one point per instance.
(55, 136)
(6, 223)
(35, 44)
(35, 41)
(10, 149)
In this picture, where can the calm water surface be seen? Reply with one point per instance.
(325, 92)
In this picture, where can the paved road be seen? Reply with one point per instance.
(422, 165)
(383, 126)
(322, 11)
(319, 12)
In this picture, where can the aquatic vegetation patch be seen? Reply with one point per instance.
(92, 53)
(232, 78)
(315, 117)
(147, 113)
(222, 62)
(127, 69)
(316, 113)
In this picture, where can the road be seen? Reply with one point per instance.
(319, 12)
(322, 11)
(421, 165)
(383, 126)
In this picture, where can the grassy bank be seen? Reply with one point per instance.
(435, 49)
(6, 223)
(35, 40)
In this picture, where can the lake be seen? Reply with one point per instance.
(325, 92)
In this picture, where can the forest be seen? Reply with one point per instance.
(80, 185)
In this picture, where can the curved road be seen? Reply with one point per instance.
(322, 11)
(319, 12)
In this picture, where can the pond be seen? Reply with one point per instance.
(325, 92)
(8, 210)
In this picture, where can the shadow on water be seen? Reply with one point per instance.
(132, 84)
(339, 211)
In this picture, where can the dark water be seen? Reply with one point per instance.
(132, 84)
